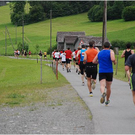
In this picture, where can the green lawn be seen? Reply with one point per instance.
(39, 33)
(20, 81)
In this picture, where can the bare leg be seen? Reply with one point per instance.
(133, 92)
(128, 75)
(82, 77)
(89, 84)
(102, 85)
(108, 87)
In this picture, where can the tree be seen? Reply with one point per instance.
(128, 13)
(95, 14)
(37, 14)
(17, 12)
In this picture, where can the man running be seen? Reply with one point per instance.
(63, 56)
(82, 65)
(130, 63)
(105, 58)
(125, 54)
(91, 68)
(68, 59)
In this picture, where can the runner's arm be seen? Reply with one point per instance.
(95, 60)
(123, 54)
(113, 57)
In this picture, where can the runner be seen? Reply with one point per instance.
(82, 65)
(74, 58)
(130, 63)
(91, 68)
(45, 55)
(68, 59)
(125, 54)
(77, 61)
(63, 56)
(57, 55)
(105, 59)
(53, 56)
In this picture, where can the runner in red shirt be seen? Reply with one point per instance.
(68, 59)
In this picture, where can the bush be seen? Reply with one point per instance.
(128, 13)
(20, 47)
(95, 14)
(49, 51)
(121, 44)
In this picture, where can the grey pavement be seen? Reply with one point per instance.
(116, 118)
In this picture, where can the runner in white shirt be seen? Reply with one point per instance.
(63, 56)
(57, 55)
(74, 56)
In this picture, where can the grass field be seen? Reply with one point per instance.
(20, 81)
(39, 33)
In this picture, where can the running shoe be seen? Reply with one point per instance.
(107, 102)
(91, 94)
(83, 84)
(79, 73)
(102, 100)
(76, 70)
(93, 85)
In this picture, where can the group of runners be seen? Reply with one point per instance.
(86, 59)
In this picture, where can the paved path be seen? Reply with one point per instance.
(118, 117)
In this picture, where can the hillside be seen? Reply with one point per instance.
(39, 33)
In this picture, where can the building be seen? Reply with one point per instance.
(2, 3)
(73, 40)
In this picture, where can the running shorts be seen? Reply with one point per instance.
(132, 81)
(67, 61)
(91, 70)
(107, 76)
(82, 67)
(63, 61)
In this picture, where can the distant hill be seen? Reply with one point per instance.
(39, 33)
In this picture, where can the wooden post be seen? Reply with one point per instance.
(50, 33)
(5, 42)
(57, 69)
(104, 35)
(41, 70)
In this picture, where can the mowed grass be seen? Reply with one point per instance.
(20, 81)
(39, 33)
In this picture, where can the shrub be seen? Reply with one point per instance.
(49, 51)
(128, 13)
(95, 14)
(121, 44)
(25, 47)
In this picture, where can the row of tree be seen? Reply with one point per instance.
(40, 10)
(115, 10)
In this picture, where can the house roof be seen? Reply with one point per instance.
(61, 35)
(87, 39)
(70, 39)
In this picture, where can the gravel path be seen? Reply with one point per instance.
(62, 113)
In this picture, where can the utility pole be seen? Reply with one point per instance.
(16, 33)
(50, 33)
(5, 42)
(104, 36)
(23, 31)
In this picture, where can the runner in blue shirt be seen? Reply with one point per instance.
(105, 59)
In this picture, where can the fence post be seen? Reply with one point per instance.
(57, 69)
(41, 70)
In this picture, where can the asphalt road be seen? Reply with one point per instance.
(116, 118)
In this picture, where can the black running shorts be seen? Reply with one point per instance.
(91, 70)
(107, 76)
